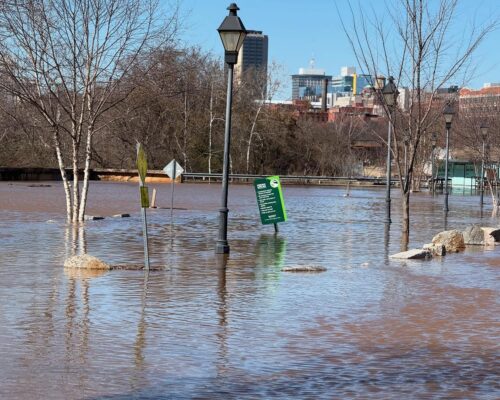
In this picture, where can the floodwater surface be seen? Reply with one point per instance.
(231, 328)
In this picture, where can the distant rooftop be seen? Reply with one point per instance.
(312, 70)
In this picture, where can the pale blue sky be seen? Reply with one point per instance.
(299, 30)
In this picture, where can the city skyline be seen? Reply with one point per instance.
(298, 33)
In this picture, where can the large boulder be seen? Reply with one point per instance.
(413, 254)
(452, 240)
(473, 235)
(491, 235)
(86, 261)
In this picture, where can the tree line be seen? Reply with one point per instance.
(174, 105)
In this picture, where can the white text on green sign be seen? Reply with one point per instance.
(270, 200)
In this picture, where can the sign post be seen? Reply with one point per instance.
(173, 171)
(142, 168)
(270, 201)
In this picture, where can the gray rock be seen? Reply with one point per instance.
(93, 217)
(414, 254)
(491, 235)
(86, 261)
(453, 240)
(304, 268)
(435, 249)
(473, 235)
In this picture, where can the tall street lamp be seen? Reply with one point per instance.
(390, 94)
(433, 143)
(484, 135)
(448, 113)
(232, 33)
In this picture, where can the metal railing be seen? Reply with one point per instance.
(285, 178)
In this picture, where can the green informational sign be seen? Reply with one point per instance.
(144, 196)
(142, 163)
(270, 200)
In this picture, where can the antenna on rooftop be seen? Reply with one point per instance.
(312, 62)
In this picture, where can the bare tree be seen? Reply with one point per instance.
(66, 59)
(259, 86)
(423, 56)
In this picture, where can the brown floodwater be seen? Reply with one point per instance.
(209, 327)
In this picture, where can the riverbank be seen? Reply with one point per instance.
(158, 176)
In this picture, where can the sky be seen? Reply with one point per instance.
(301, 30)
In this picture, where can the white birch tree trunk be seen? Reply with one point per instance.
(250, 137)
(64, 176)
(76, 184)
(86, 174)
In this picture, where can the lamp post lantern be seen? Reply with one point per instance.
(484, 136)
(232, 33)
(448, 113)
(390, 94)
(433, 143)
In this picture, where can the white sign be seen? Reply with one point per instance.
(173, 169)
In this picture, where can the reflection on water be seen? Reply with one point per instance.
(141, 327)
(270, 250)
(387, 239)
(237, 327)
(222, 311)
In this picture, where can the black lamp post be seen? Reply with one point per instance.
(448, 113)
(390, 94)
(433, 143)
(232, 33)
(484, 135)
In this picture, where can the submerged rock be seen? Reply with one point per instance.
(137, 267)
(86, 261)
(413, 254)
(304, 268)
(452, 240)
(93, 217)
(435, 249)
(83, 273)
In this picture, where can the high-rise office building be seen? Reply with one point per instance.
(347, 71)
(308, 84)
(342, 85)
(252, 62)
(351, 83)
